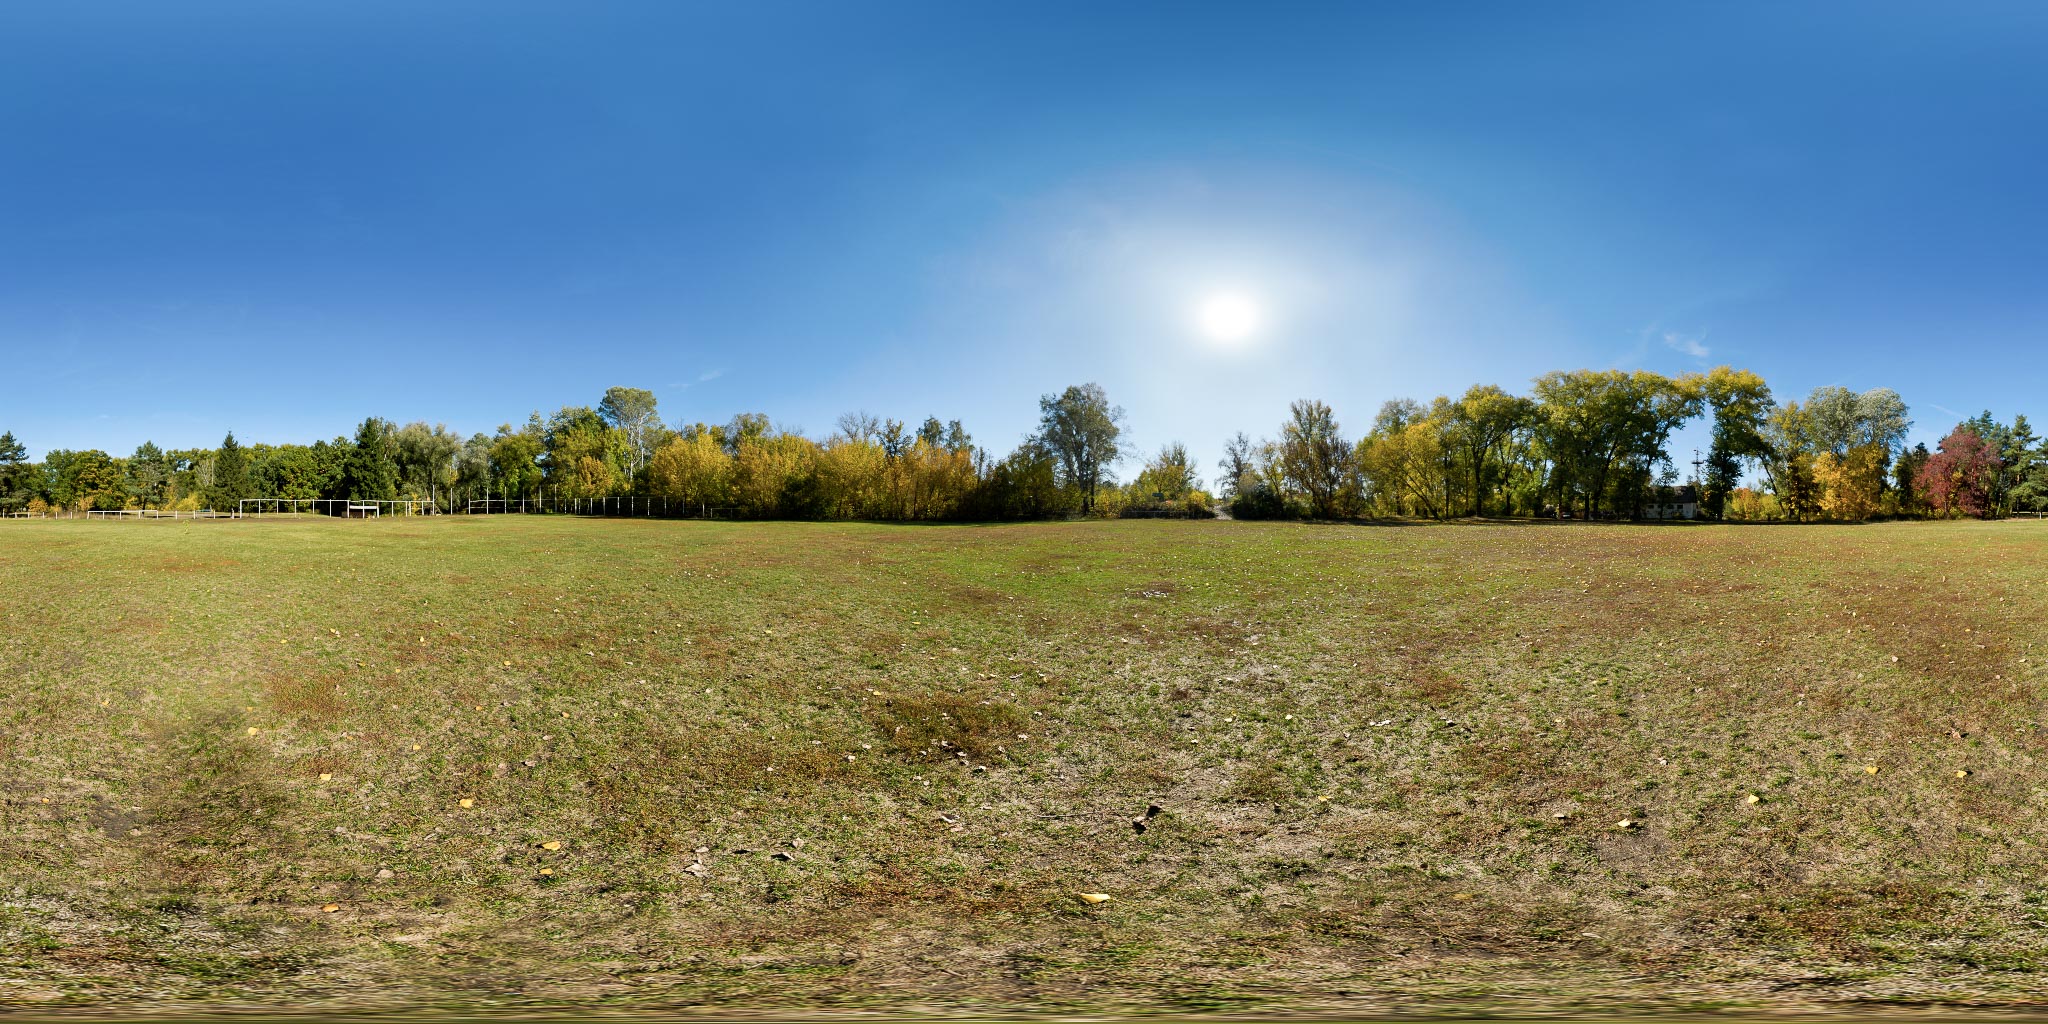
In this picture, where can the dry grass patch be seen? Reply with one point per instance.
(1391, 765)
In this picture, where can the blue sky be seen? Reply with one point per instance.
(280, 218)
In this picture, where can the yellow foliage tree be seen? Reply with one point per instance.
(1851, 485)
(694, 469)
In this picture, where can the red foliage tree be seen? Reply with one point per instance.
(1956, 480)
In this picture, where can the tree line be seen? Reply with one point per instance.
(1582, 444)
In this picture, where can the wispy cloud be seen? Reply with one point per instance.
(1693, 345)
(702, 378)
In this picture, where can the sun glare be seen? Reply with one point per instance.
(1228, 317)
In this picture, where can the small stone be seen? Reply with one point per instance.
(386, 873)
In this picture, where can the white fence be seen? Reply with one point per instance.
(629, 505)
(339, 508)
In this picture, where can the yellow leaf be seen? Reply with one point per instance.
(326, 776)
(1962, 773)
(547, 871)
(1753, 798)
(1870, 769)
(253, 730)
(552, 844)
(330, 908)
(1625, 823)
(1094, 897)
(508, 664)
(467, 802)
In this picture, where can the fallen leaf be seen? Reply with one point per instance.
(1753, 798)
(330, 908)
(552, 844)
(467, 802)
(253, 730)
(1962, 773)
(1625, 823)
(1870, 769)
(326, 776)
(547, 871)
(1094, 897)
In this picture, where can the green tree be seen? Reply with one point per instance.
(1169, 475)
(230, 476)
(1483, 420)
(14, 476)
(1604, 431)
(149, 473)
(631, 412)
(1789, 468)
(583, 456)
(425, 457)
(1907, 498)
(1316, 459)
(1082, 430)
(515, 458)
(1740, 402)
(370, 472)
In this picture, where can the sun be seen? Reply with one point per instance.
(1228, 316)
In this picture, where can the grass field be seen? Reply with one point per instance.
(521, 760)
